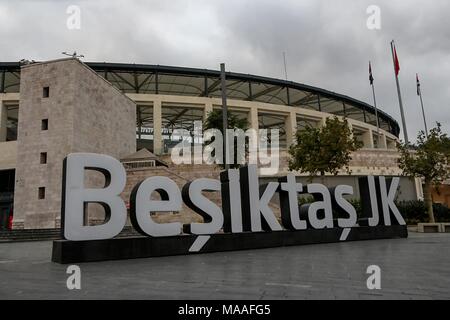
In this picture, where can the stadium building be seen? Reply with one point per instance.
(129, 111)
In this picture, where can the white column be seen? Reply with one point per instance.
(253, 115)
(350, 126)
(3, 121)
(207, 110)
(383, 142)
(291, 128)
(157, 126)
(419, 188)
(368, 139)
(254, 144)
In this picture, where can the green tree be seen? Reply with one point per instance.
(325, 149)
(429, 159)
(214, 120)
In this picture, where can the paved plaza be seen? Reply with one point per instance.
(413, 268)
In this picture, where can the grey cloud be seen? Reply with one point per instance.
(326, 42)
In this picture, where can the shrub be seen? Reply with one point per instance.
(415, 211)
(442, 212)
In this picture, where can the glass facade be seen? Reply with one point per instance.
(359, 136)
(179, 117)
(12, 114)
(353, 112)
(271, 121)
(10, 81)
(304, 99)
(332, 106)
(305, 123)
(144, 127)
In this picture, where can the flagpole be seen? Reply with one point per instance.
(400, 102)
(224, 114)
(419, 91)
(285, 65)
(375, 106)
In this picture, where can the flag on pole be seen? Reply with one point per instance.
(418, 84)
(370, 74)
(400, 102)
(396, 63)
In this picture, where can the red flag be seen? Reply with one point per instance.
(418, 84)
(396, 63)
(370, 74)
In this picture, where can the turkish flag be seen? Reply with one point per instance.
(418, 84)
(396, 63)
(370, 73)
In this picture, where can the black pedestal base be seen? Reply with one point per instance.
(65, 251)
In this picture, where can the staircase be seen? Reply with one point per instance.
(49, 234)
(29, 235)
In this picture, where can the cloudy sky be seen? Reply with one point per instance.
(327, 43)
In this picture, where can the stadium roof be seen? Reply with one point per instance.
(156, 79)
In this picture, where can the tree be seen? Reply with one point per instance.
(325, 149)
(214, 120)
(429, 159)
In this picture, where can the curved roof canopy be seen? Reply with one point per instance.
(156, 79)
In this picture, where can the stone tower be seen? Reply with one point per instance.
(64, 107)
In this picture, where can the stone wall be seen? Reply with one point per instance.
(181, 175)
(364, 162)
(8, 155)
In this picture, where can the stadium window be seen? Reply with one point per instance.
(43, 158)
(41, 193)
(46, 92)
(44, 124)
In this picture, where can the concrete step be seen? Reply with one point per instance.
(29, 235)
(47, 234)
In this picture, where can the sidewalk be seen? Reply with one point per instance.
(414, 268)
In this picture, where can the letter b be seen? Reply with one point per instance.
(75, 197)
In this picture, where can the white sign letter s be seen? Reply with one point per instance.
(211, 213)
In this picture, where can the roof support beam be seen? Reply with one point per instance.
(210, 88)
(309, 97)
(179, 115)
(123, 79)
(145, 81)
(266, 91)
